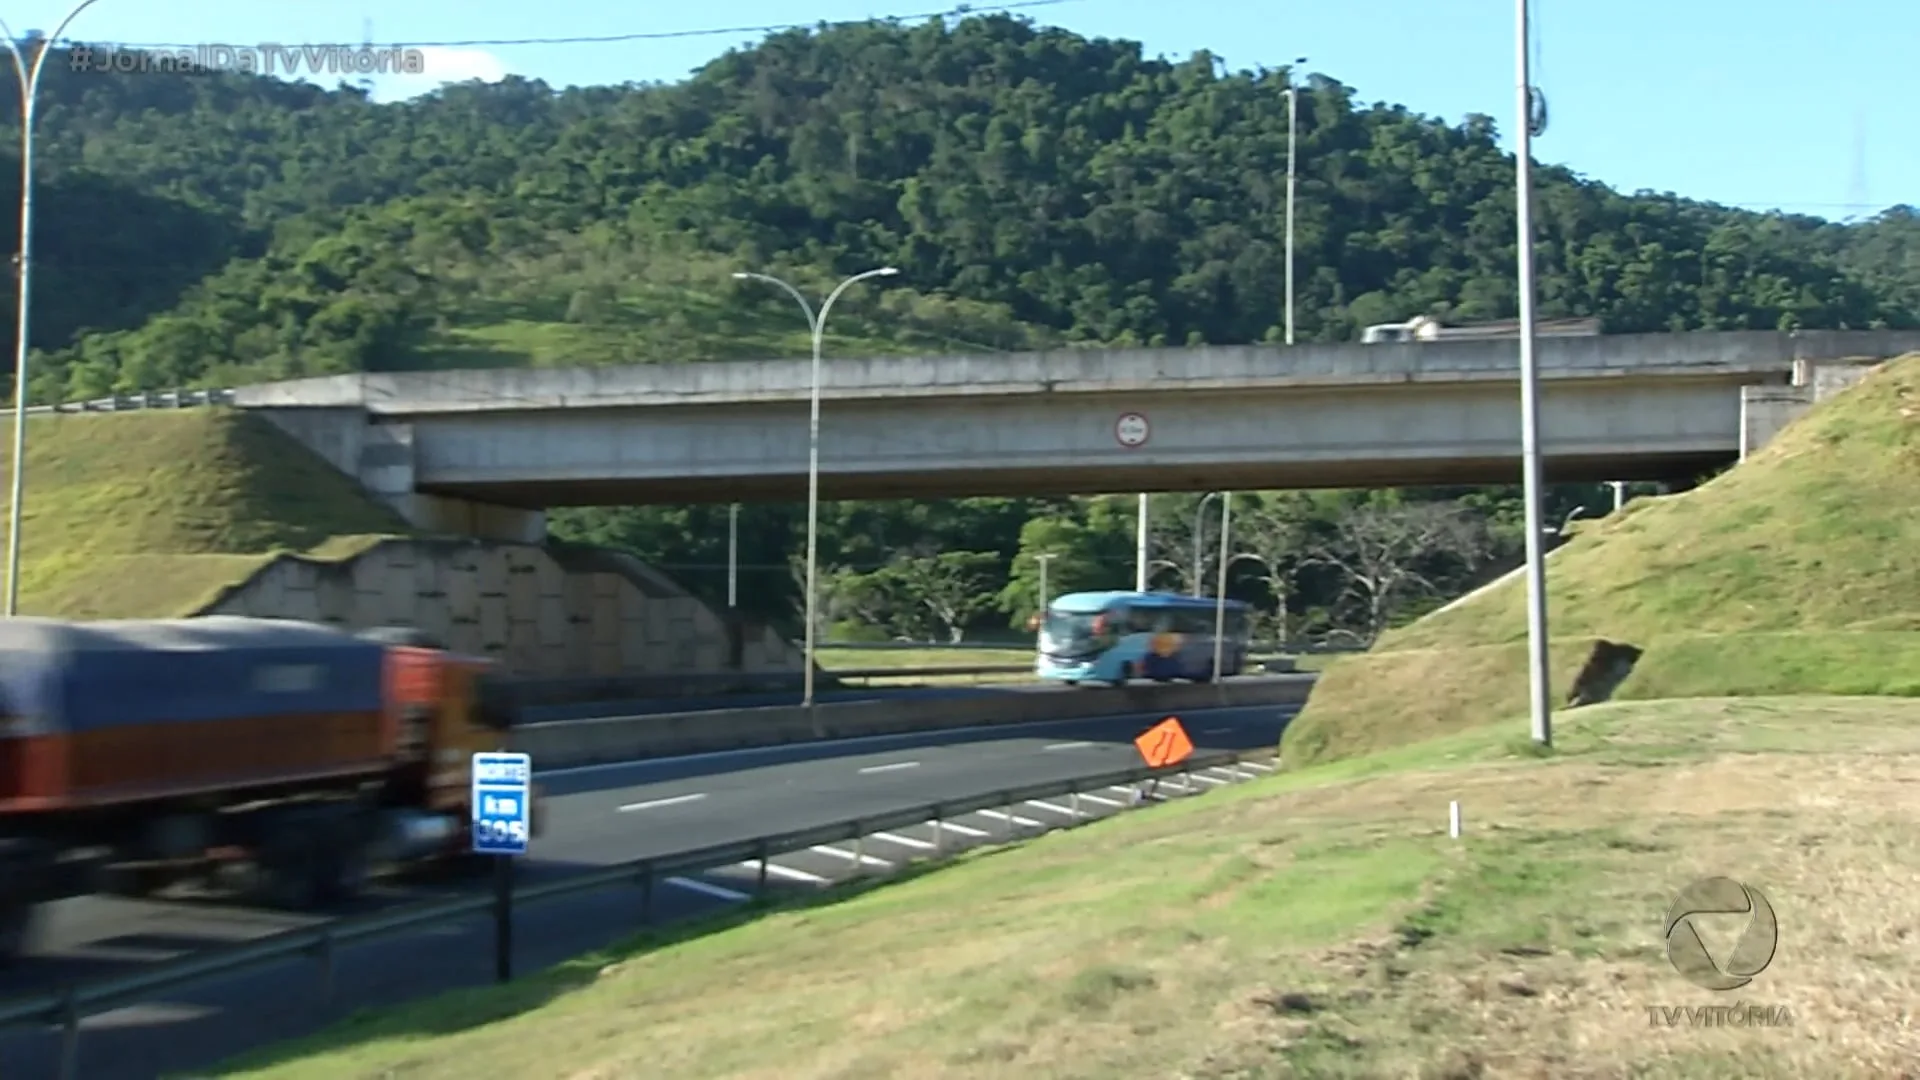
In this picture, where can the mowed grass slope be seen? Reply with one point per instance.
(1797, 571)
(150, 514)
(1314, 924)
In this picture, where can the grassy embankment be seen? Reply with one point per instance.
(1318, 923)
(1798, 572)
(151, 514)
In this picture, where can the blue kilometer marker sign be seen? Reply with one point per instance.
(502, 803)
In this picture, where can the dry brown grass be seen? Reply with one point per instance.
(1313, 924)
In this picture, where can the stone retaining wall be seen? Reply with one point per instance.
(544, 612)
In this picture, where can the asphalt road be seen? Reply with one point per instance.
(541, 714)
(598, 816)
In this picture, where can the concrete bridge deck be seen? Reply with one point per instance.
(1652, 406)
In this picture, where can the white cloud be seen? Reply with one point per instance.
(441, 65)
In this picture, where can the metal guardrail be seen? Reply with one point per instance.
(151, 399)
(929, 670)
(1303, 648)
(67, 1007)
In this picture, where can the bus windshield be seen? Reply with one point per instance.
(1069, 633)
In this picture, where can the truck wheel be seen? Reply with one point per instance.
(290, 874)
(16, 927)
(342, 870)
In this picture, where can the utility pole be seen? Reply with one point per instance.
(1045, 599)
(1537, 671)
(1140, 548)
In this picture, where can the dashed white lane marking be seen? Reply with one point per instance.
(1063, 811)
(714, 891)
(1117, 804)
(963, 830)
(774, 869)
(903, 841)
(1015, 818)
(674, 800)
(1257, 766)
(1067, 745)
(892, 767)
(843, 853)
(1209, 779)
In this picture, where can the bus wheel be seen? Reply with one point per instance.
(1071, 682)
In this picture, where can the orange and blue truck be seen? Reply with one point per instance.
(291, 759)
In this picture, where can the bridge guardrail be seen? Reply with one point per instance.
(68, 1006)
(150, 399)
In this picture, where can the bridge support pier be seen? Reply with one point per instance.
(380, 456)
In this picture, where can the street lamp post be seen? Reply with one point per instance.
(1043, 560)
(818, 324)
(1220, 595)
(1292, 132)
(1199, 536)
(28, 74)
(1140, 548)
(733, 556)
(1538, 695)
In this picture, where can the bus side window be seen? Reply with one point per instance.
(1140, 621)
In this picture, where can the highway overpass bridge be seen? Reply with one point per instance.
(484, 452)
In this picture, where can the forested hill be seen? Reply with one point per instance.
(1033, 185)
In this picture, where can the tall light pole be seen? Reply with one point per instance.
(1140, 548)
(1199, 536)
(733, 556)
(1220, 594)
(1292, 133)
(1537, 673)
(818, 324)
(28, 73)
(1043, 560)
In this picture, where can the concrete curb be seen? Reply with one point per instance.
(564, 744)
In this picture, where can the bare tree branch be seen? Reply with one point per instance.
(1388, 557)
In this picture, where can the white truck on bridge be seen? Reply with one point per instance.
(1426, 328)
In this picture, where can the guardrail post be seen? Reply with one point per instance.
(859, 850)
(1073, 801)
(646, 892)
(1006, 807)
(937, 835)
(70, 1034)
(761, 887)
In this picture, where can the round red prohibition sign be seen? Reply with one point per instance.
(1131, 430)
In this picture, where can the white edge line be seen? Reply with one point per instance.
(774, 869)
(672, 800)
(903, 841)
(714, 891)
(863, 858)
(1015, 818)
(963, 830)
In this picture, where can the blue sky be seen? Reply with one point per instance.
(1804, 105)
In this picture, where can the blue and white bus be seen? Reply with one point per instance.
(1111, 637)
